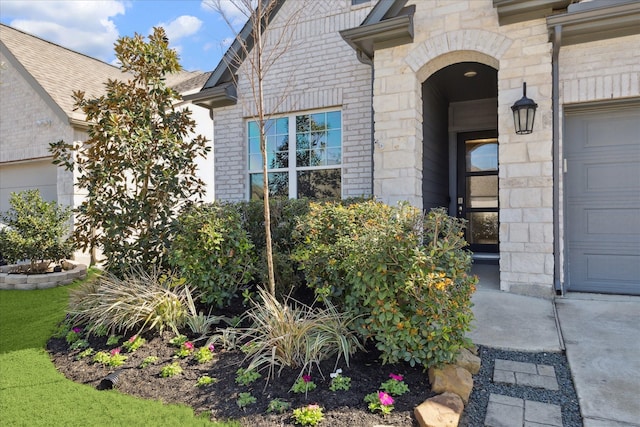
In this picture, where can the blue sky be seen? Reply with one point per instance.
(195, 29)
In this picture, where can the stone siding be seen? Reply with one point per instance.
(455, 31)
(317, 71)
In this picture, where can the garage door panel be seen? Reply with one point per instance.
(602, 193)
(41, 174)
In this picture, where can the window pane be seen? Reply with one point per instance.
(270, 127)
(318, 122)
(282, 126)
(334, 138)
(278, 185)
(302, 123)
(482, 155)
(483, 228)
(253, 130)
(255, 161)
(334, 156)
(254, 145)
(319, 184)
(482, 191)
(334, 120)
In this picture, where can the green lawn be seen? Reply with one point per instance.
(34, 393)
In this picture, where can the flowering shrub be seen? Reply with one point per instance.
(134, 343)
(395, 386)
(73, 335)
(404, 276)
(113, 358)
(303, 385)
(204, 354)
(185, 350)
(309, 415)
(380, 401)
(339, 382)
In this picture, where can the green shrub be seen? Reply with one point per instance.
(36, 231)
(285, 214)
(213, 252)
(402, 275)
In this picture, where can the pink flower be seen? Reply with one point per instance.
(212, 348)
(385, 399)
(306, 378)
(115, 351)
(133, 338)
(313, 407)
(396, 377)
(188, 345)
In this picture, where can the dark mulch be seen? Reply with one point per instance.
(342, 408)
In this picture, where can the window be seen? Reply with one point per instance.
(304, 156)
(357, 2)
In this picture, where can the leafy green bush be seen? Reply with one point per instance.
(285, 214)
(36, 231)
(402, 275)
(141, 300)
(213, 251)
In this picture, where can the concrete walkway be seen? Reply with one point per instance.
(601, 335)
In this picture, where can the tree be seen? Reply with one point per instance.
(137, 165)
(253, 54)
(36, 230)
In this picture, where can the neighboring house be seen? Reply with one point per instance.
(411, 100)
(36, 109)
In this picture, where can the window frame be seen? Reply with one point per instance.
(292, 169)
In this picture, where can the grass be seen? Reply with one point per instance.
(34, 393)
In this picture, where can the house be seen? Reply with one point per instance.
(36, 109)
(412, 100)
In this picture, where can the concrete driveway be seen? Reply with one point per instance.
(601, 334)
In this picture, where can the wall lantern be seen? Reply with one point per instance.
(524, 112)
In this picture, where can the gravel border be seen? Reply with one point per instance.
(475, 412)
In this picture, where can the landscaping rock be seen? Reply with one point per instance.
(468, 361)
(451, 378)
(443, 410)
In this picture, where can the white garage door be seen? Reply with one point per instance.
(602, 151)
(15, 177)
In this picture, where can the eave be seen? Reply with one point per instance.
(595, 24)
(214, 97)
(513, 11)
(388, 33)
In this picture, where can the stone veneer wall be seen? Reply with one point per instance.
(318, 71)
(448, 32)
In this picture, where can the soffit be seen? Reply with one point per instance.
(512, 11)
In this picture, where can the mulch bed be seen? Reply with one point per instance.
(341, 408)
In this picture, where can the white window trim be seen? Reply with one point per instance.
(292, 170)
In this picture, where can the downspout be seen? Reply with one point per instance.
(364, 58)
(557, 159)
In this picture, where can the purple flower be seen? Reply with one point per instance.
(77, 330)
(212, 348)
(188, 345)
(306, 378)
(396, 377)
(385, 399)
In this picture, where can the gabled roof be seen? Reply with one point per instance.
(56, 72)
(220, 88)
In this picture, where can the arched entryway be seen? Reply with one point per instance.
(460, 150)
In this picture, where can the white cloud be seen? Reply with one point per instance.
(183, 26)
(83, 26)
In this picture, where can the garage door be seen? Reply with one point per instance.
(602, 151)
(15, 177)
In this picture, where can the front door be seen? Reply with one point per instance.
(477, 198)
